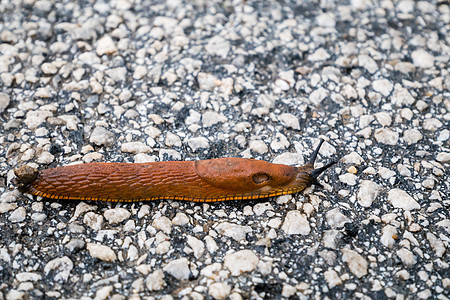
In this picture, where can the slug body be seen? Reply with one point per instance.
(211, 180)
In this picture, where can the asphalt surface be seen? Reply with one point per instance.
(140, 81)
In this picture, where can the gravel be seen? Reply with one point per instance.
(141, 81)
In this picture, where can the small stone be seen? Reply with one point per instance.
(211, 118)
(288, 290)
(403, 275)
(289, 121)
(383, 118)
(4, 101)
(89, 58)
(234, 231)
(207, 81)
(35, 118)
(241, 261)
(348, 178)
(387, 236)
(18, 215)
(406, 256)
(428, 183)
(383, 86)
(386, 136)
(296, 223)
(412, 136)
(219, 290)
(353, 158)
(28, 276)
(59, 268)
(117, 74)
(155, 281)
(355, 262)
(93, 220)
(431, 124)
(105, 45)
(402, 97)
(197, 143)
(180, 219)
(116, 215)
(331, 238)
(163, 223)
(422, 59)
(332, 278)
(319, 55)
(178, 268)
(101, 252)
(443, 157)
(367, 63)
(49, 69)
(135, 147)
(405, 67)
(258, 146)
(368, 192)
(400, 199)
(326, 20)
(75, 245)
(219, 46)
(197, 246)
(140, 72)
(385, 173)
(437, 245)
(45, 158)
(102, 137)
(336, 219)
(104, 292)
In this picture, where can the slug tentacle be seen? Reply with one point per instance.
(219, 179)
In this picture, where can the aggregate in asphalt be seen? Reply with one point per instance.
(139, 81)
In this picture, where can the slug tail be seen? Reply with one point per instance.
(25, 175)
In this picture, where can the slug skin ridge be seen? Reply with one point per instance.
(219, 179)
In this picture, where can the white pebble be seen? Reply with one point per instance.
(60, 267)
(386, 136)
(383, 86)
(135, 147)
(163, 223)
(105, 45)
(155, 281)
(197, 143)
(101, 252)
(422, 59)
(296, 223)
(219, 290)
(178, 268)
(353, 158)
(116, 215)
(241, 261)
(289, 121)
(356, 263)
(412, 136)
(332, 278)
(400, 199)
(406, 256)
(348, 178)
(18, 215)
(336, 219)
(234, 231)
(368, 192)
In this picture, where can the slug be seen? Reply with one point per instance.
(219, 179)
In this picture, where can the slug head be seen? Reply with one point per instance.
(239, 176)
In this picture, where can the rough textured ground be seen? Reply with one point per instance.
(136, 81)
